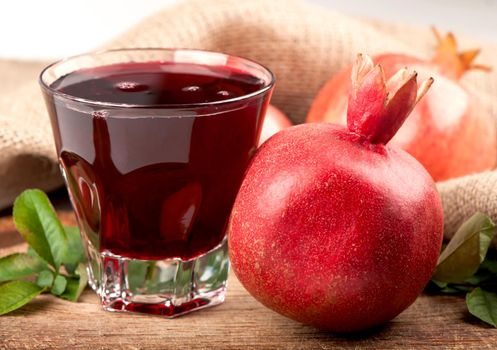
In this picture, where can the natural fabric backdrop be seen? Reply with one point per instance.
(303, 44)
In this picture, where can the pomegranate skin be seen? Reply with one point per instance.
(333, 231)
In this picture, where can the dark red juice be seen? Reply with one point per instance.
(156, 179)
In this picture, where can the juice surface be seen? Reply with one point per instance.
(156, 83)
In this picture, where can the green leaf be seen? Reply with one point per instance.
(75, 253)
(453, 290)
(30, 251)
(439, 284)
(45, 279)
(479, 278)
(446, 288)
(72, 288)
(483, 304)
(489, 265)
(76, 285)
(19, 265)
(466, 250)
(38, 224)
(59, 285)
(15, 294)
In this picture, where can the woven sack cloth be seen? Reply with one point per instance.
(303, 44)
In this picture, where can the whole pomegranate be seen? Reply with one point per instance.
(449, 131)
(274, 121)
(333, 228)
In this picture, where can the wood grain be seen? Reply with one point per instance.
(432, 322)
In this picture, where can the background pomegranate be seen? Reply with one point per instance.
(274, 121)
(333, 228)
(449, 131)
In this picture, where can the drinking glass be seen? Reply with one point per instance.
(153, 171)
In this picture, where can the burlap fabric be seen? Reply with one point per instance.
(302, 43)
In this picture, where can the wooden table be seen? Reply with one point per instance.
(432, 322)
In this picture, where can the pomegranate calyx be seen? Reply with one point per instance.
(378, 108)
(453, 64)
(362, 67)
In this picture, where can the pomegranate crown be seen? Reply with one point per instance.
(378, 108)
(454, 63)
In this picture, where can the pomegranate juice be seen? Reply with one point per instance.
(155, 178)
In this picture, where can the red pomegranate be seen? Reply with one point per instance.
(333, 228)
(449, 131)
(274, 121)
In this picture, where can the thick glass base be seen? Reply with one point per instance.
(169, 287)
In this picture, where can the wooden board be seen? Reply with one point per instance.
(432, 322)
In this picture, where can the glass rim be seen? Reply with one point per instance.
(267, 86)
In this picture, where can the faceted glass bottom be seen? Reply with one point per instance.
(169, 287)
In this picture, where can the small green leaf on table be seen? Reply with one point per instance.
(483, 304)
(76, 285)
(15, 294)
(19, 265)
(466, 250)
(45, 279)
(51, 246)
(38, 224)
(75, 251)
(59, 285)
